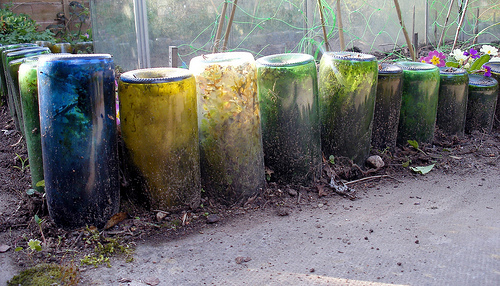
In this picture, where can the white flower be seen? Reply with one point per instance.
(489, 50)
(459, 55)
(466, 66)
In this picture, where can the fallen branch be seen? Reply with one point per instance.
(371, 178)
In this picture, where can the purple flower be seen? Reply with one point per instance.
(472, 53)
(425, 60)
(436, 58)
(487, 70)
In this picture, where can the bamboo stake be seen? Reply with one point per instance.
(445, 23)
(476, 28)
(341, 27)
(327, 46)
(408, 41)
(219, 28)
(464, 11)
(228, 29)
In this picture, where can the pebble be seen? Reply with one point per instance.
(213, 218)
(292, 192)
(375, 161)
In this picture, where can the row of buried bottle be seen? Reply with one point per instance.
(184, 130)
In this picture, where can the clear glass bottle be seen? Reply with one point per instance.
(232, 160)
(288, 96)
(79, 139)
(347, 90)
(419, 102)
(159, 127)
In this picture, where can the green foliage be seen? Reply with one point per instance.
(422, 170)
(331, 159)
(105, 248)
(20, 28)
(35, 245)
(23, 166)
(69, 27)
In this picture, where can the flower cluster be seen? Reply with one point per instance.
(472, 61)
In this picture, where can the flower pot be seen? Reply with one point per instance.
(160, 135)
(12, 62)
(483, 94)
(495, 73)
(347, 90)
(387, 107)
(288, 96)
(452, 103)
(79, 142)
(28, 90)
(419, 102)
(232, 160)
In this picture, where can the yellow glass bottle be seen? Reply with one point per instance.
(158, 119)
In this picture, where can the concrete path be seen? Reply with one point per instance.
(426, 230)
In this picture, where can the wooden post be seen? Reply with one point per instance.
(65, 4)
(173, 57)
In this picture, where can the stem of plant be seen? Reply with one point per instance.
(408, 41)
(460, 23)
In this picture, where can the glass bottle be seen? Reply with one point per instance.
(79, 139)
(452, 103)
(158, 121)
(495, 73)
(483, 95)
(387, 106)
(419, 102)
(288, 97)
(347, 90)
(232, 160)
(28, 90)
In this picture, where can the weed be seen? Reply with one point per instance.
(24, 166)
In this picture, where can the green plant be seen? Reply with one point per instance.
(24, 166)
(20, 28)
(70, 27)
(40, 222)
(104, 248)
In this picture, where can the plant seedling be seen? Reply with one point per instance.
(24, 166)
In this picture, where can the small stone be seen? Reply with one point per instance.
(241, 259)
(4, 248)
(292, 192)
(213, 218)
(282, 212)
(320, 205)
(375, 161)
(152, 281)
(160, 216)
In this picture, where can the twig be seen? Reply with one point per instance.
(445, 23)
(371, 178)
(219, 28)
(408, 41)
(17, 142)
(322, 19)
(341, 27)
(229, 24)
(460, 23)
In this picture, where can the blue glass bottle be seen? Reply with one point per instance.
(79, 139)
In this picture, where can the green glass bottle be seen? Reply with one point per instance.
(495, 73)
(387, 106)
(288, 96)
(452, 103)
(483, 94)
(419, 102)
(159, 125)
(232, 159)
(347, 90)
(28, 90)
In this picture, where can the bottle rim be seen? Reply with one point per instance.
(155, 75)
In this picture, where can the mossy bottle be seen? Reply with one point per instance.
(288, 97)
(347, 90)
(232, 160)
(79, 139)
(419, 102)
(158, 119)
(452, 103)
(28, 90)
(3, 79)
(12, 62)
(62, 48)
(483, 95)
(495, 73)
(387, 107)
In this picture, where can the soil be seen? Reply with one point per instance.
(134, 225)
